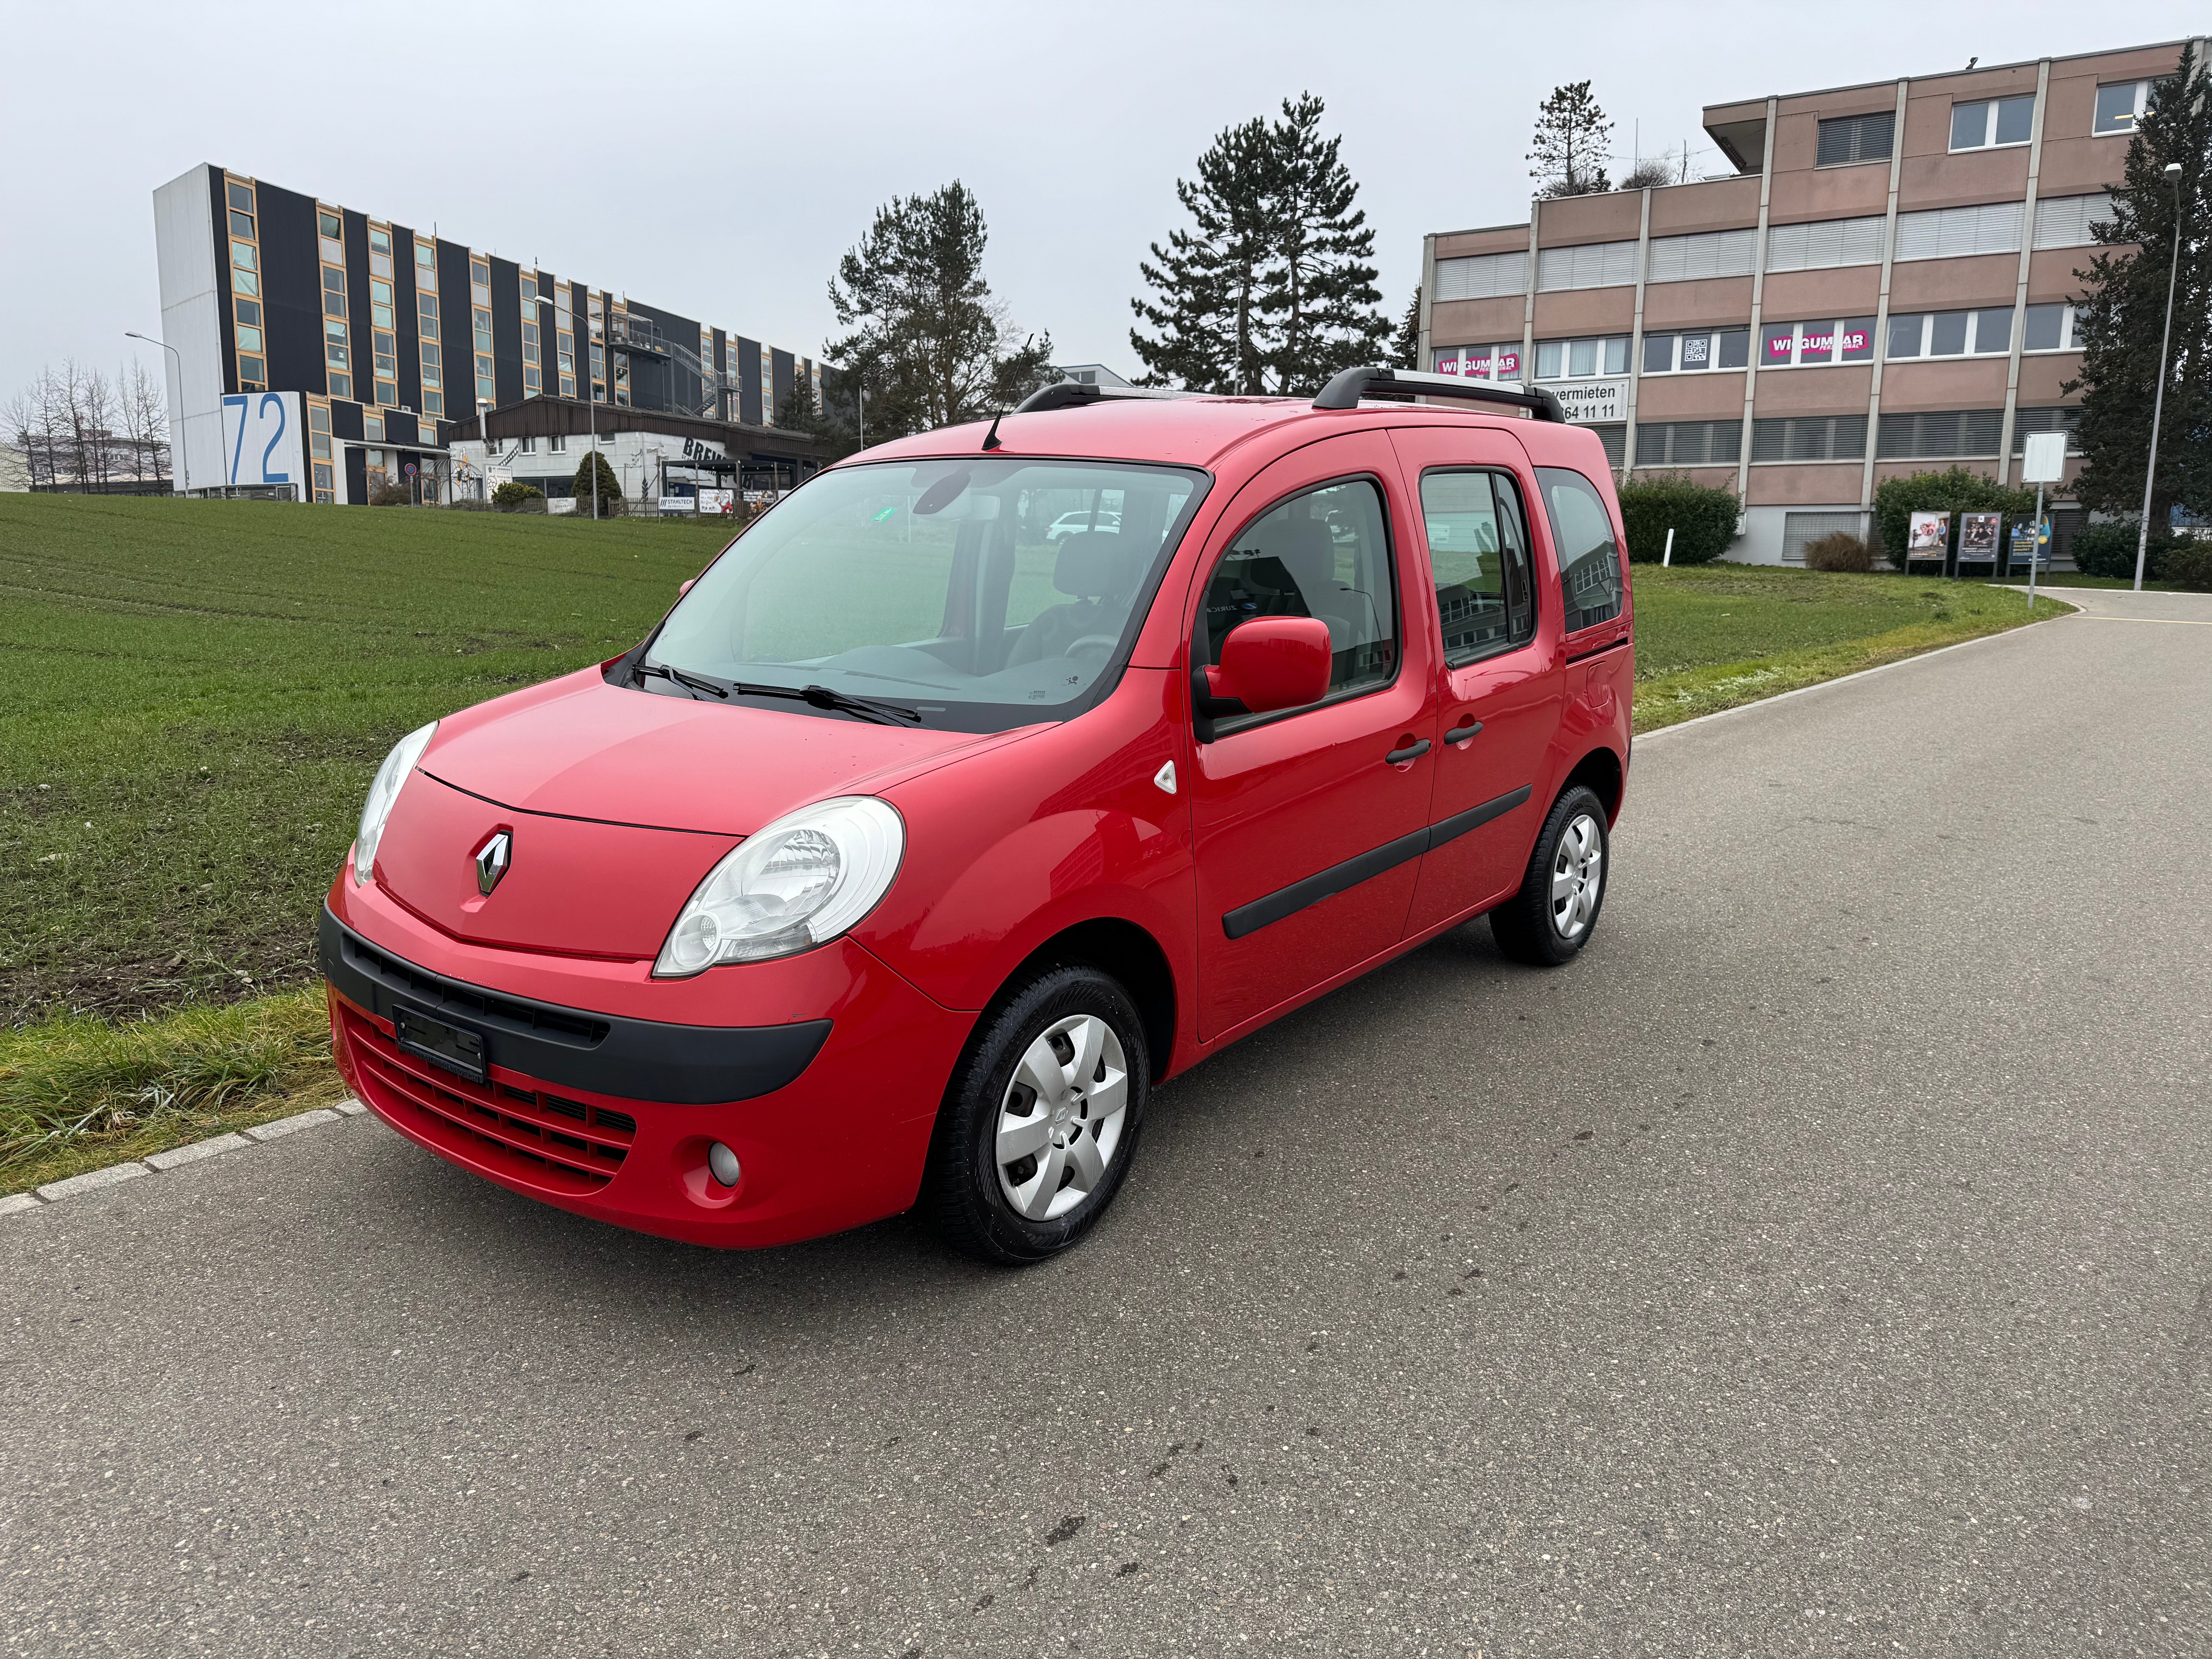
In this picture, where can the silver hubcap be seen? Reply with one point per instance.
(1061, 1118)
(1578, 877)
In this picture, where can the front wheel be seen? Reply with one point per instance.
(1041, 1120)
(1552, 916)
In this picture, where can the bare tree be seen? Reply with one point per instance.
(145, 422)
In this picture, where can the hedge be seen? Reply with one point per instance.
(1704, 519)
(1957, 491)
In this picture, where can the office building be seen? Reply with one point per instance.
(1884, 286)
(324, 354)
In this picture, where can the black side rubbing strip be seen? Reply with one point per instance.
(1340, 878)
(1474, 818)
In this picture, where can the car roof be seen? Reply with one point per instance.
(1191, 431)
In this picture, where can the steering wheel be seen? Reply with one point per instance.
(1101, 642)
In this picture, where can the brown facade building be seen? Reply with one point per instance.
(1884, 287)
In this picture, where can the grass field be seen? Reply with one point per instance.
(198, 694)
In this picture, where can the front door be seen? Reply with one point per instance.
(1310, 822)
(1499, 680)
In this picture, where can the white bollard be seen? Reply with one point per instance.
(1668, 557)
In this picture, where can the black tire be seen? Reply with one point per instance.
(962, 1194)
(1524, 926)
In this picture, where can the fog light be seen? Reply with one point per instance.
(724, 1162)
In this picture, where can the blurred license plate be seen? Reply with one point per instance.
(439, 1042)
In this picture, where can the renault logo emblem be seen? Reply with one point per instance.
(492, 859)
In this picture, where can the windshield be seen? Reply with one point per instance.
(979, 594)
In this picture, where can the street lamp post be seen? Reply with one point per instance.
(2158, 403)
(185, 446)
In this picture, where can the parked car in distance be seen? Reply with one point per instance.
(913, 850)
(1105, 521)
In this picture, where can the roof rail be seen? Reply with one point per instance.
(1346, 390)
(1068, 394)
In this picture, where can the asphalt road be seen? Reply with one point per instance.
(1822, 1265)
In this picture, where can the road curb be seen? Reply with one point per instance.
(1862, 673)
(56, 1192)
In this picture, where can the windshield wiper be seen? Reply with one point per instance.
(818, 696)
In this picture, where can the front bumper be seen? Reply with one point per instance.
(610, 1113)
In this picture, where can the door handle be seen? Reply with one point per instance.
(1460, 734)
(1400, 757)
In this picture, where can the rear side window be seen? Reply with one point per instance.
(1590, 560)
(1479, 553)
(1325, 554)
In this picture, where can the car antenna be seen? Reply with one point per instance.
(991, 438)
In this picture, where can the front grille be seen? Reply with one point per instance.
(563, 1145)
(467, 999)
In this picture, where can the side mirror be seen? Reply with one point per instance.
(682, 588)
(1273, 662)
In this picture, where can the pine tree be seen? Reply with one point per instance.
(929, 341)
(1209, 278)
(1272, 287)
(1406, 343)
(1570, 144)
(609, 492)
(2121, 318)
(1321, 298)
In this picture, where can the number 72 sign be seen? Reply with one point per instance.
(261, 439)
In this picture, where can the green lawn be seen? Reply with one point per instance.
(198, 693)
(1710, 636)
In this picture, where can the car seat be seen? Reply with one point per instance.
(1092, 569)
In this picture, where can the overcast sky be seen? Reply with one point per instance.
(717, 160)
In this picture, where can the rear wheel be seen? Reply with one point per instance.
(1553, 915)
(1038, 1128)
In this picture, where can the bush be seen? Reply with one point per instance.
(1957, 491)
(510, 496)
(391, 493)
(611, 495)
(1703, 519)
(1841, 552)
(2107, 548)
(2188, 564)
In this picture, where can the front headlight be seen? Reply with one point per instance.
(799, 883)
(381, 795)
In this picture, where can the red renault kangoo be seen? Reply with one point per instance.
(989, 781)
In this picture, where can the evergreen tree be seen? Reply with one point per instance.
(931, 344)
(1209, 278)
(1570, 144)
(1270, 289)
(2121, 318)
(1406, 343)
(609, 492)
(834, 422)
(1321, 298)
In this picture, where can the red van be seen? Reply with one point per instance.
(935, 827)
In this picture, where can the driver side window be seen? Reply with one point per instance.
(1325, 553)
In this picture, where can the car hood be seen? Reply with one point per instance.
(578, 747)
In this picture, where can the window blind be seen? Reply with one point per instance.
(1709, 253)
(1809, 438)
(1483, 276)
(1689, 443)
(1948, 232)
(1823, 243)
(1848, 138)
(2065, 417)
(2064, 221)
(1800, 530)
(1936, 434)
(1594, 264)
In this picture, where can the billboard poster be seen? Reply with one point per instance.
(2027, 544)
(264, 443)
(712, 500)
(1593, 401)
(1930, 537)
(1977, 538)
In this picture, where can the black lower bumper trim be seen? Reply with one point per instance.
(647, 1060)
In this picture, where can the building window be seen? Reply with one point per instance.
(1846, 139)
(2119, 105)
(2070, 221)
(380, 303)
(249, 339)
(1843, 340)
(1940, 434)
(1986, 333)
(1697, 350)
(1698, 258)
(1689, 443)
(330, 231)
(1824, 244)
(241, 224)
(529, 446)
(1800, 530)
(558, 444)
(1482, 276)
(380, 241)
(1480, 362)
(1809, 438)
(1575, 360)
(1594, 264)
(239, 195)
(334, 291)
(1993, 122)
(371, 427)
(2050, 328)
(426, 315)
(2065, 419)
(1954, 233)
(252, 373)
